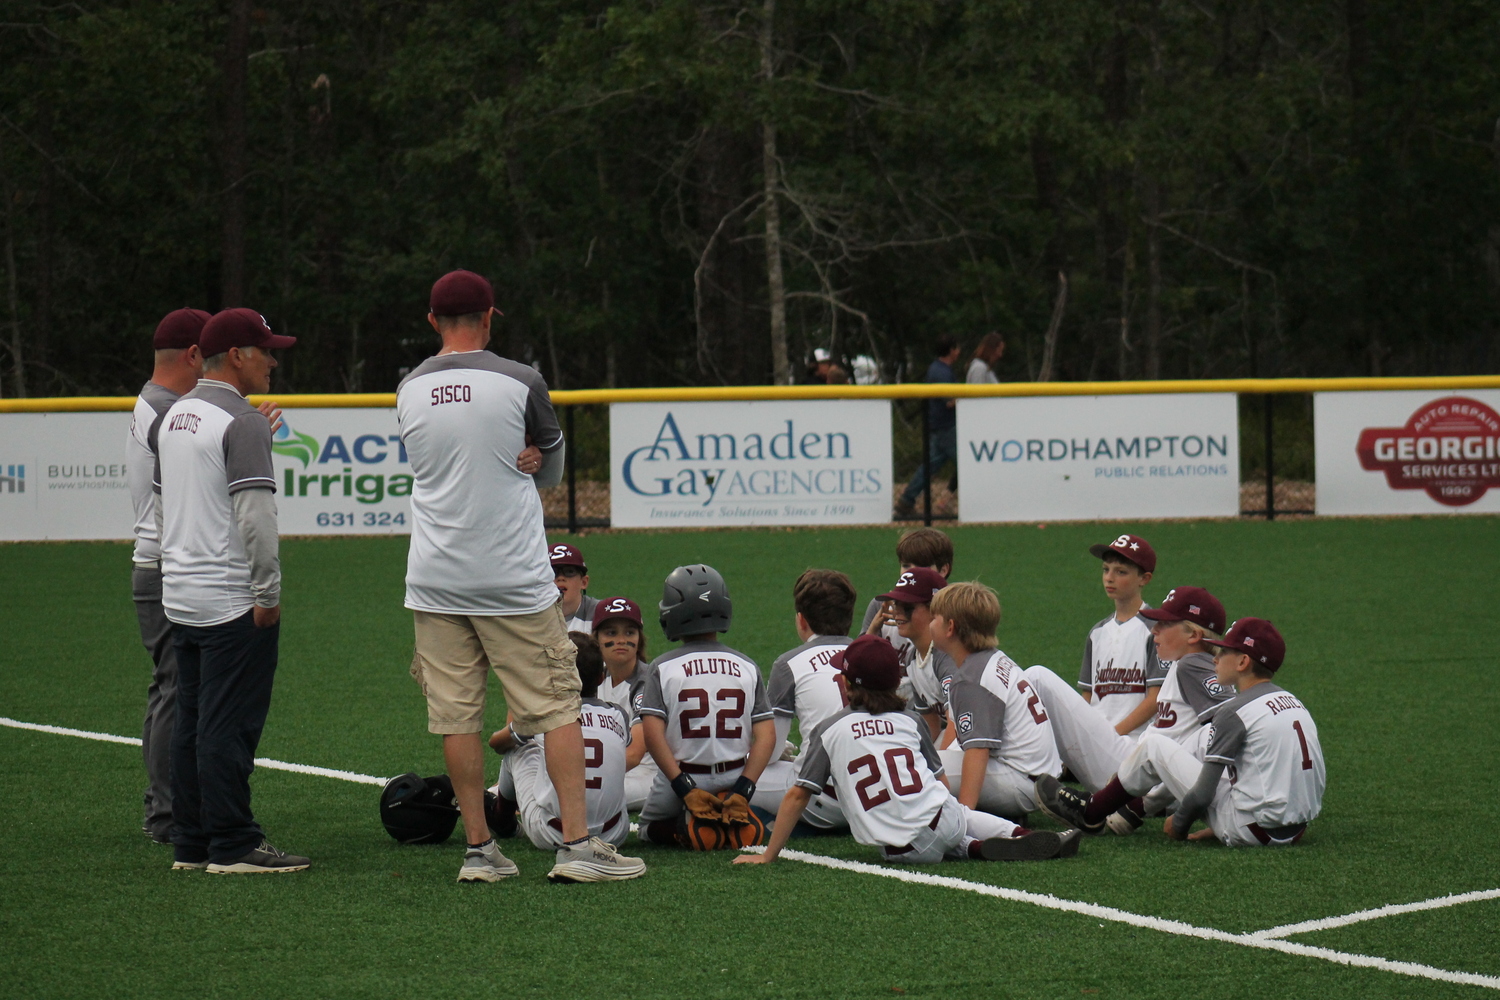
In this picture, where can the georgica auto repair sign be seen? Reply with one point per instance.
(1450, 447)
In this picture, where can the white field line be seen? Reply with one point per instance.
(1260, 939)
(266, 762)
(1149, 923)
(1328, 923)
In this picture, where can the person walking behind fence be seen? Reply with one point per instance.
(942, 427)
(987, 355)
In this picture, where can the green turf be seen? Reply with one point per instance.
(1389, 625)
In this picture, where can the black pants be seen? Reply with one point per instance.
(224, 676)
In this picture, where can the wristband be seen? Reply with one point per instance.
(743, 786)
(682, 784)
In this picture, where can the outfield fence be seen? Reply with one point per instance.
(829, 454)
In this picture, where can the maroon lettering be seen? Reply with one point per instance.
(593, 759)
(691, 715)
(450, 394)
(872, 727)
(1038, 714)
(1302, 738)
(1166, 715)
(866, 800)
(184, 422)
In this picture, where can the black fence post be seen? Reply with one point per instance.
(926, 466)
(572, 475)
(1270, 412)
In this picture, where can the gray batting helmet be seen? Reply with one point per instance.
(694, 600)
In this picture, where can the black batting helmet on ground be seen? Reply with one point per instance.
(694, 601)
(418, 810)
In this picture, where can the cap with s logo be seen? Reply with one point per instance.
(916, 586)
(1258, 639)
(617, 607)
(1189, 604)
(562, 554)
(238, 328)
(1132, 548)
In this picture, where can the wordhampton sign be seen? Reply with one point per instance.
(1079, 457)
(1407, 452)
(722, 463)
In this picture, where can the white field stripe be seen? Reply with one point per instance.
(1149, 923)
(1328, 923)
(266, 762)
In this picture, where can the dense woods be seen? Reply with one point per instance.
(693, 192)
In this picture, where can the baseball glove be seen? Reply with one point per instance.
(716, 835)
(735, 808)
(748, 831)
(703, 805)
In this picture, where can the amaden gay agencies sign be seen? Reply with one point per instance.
(675, 465)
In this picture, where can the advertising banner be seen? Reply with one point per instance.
(815, 462)
(1059, 458)
(338, 472)
(1408, 452)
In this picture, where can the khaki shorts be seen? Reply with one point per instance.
(531, 654)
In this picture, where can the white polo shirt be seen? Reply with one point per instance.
(210, 445)
(478, 546)
(140, 470)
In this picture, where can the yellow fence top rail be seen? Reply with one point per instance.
(909, 390)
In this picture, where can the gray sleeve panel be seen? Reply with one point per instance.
(255, 516)
(870, 613)
(816, 766)
(920, 705)
(1195, 803)
(158, 397)
(247, 454)
(541, 418)
(1227, 740)
(783, 693)
(929, 749)
(541, 421)
(152, 437)
(553, 464)
(978, 716)
(1156, 672)
(650, 701)
(586, 606)
(1199, 687)
(1086, 672)
(761, 709)
(942, 666)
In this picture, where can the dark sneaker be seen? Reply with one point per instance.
(594, 861)
(486, 864)
(1069, 846)
(1124, 821)
(264, 858)
(1039, 845)
(1065, 805)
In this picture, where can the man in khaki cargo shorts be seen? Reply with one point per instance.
(481, 436)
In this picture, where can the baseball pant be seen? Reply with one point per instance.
(822, 812)
(161, 700)
(224, 678)
(638, 782)
(957, 827)
(663, 803)
(1160, 798)
(523, 780)
(1086, 740)
(1162, 760)
(944, 448)
(1006, 791)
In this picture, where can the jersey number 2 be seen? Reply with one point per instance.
(726, 721)
(593, 759)
(868, 762)
(1034, 702)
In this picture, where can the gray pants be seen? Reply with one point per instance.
(161, 701)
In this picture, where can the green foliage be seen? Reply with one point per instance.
(1271, 188)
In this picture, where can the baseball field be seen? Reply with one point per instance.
(1390, 626)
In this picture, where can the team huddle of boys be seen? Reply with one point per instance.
(920, 737)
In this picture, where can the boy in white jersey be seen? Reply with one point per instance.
(908, 607)
(803, 685)
(924, 548)
(704, 712)
(571, 574)
(619, 631)
(523, 784)
(1263, 737)
(889, 776)
(1091, 748)
(1121, 674)
(1004, 739)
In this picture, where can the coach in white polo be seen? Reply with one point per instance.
(477, 428)
(221, 589)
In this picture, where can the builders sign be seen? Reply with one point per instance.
(1407, 452)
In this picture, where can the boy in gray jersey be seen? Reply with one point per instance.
(918, 548)
(571, 574)
(1262, 777)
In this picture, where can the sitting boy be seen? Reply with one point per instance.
(1264, 737)
(704, 712)
(802, 684)
(619, 631)
(908, 607)
(1000, 726)
(1121, 674)
(524, 786)
(888, 774)
(571, 574)
(926, 548)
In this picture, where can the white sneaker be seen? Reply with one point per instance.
(594, 861)
(486, 864)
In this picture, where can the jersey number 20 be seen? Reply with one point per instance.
(727, 725)
(893, 772)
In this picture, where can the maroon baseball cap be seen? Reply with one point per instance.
(238, 328)
(178, 329)
(617, 607)
(461, 293)
(916, 586)
(1256, 638)
(565, 555)
(1130, 547)
(869, 662)
(1189, 604)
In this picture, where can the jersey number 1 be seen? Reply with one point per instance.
(1302, 738)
